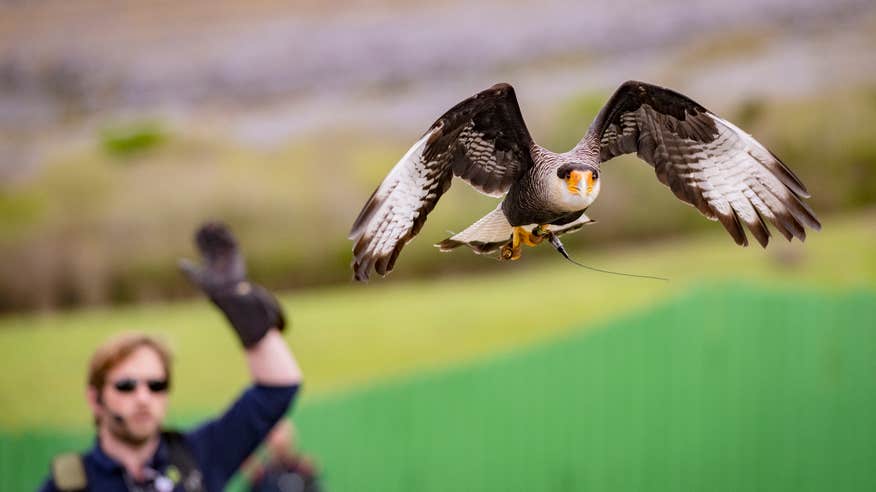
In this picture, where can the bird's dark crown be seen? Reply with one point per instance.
(566, 169)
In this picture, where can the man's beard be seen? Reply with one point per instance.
(121, 431)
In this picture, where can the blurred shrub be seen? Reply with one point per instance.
(133, 138)
(749, 112)
(19, 212)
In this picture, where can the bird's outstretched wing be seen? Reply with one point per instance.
(705, 160)
(482, 140)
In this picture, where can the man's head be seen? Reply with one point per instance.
(128, 379)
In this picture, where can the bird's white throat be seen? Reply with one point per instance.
(574, 202)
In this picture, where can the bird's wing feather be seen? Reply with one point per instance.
(482, 140)
(705, 160)
(487, 139)
(397, 210)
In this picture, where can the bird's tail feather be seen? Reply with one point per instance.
(493, 231)
(484, 236)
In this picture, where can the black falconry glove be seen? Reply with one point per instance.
(249, 307)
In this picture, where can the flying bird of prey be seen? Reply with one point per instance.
(705, 160)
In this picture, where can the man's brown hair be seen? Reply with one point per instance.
(119, 347)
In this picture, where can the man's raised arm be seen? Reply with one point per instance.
(257, 319)
(271, 363)
(253, 312)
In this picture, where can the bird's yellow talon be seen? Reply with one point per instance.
(513, 251)
(530, 240)
(510, 253)
(527, 238)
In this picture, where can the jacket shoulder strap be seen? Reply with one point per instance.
(182, 459)
(68, 472)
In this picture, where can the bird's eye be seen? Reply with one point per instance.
(595, 174)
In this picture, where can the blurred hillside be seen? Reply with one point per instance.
(123, 124)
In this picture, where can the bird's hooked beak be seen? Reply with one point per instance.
(575, 180)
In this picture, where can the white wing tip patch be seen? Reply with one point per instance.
(389, 215)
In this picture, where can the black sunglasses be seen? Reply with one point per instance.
(128, 385)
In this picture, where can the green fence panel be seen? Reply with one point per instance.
(726, 389)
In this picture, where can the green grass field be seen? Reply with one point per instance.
(748, 370)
